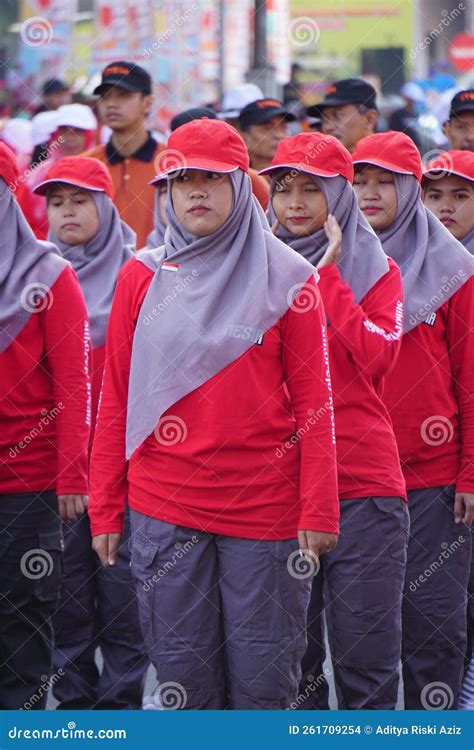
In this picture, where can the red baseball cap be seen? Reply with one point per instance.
(206, 144)
(392, 150)
(80, 171)
(315, 153)
(460, 163)
(9, 171)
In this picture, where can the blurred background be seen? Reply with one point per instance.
(198, 49)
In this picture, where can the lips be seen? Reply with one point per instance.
(199, 210)
(371, 210)
(447, 221)
(69, 226)
(299, 219)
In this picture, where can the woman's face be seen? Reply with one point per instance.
(202, 201)
(299, 204)
(451, 199)
(72, 140)
(72, 214)
(376, 195)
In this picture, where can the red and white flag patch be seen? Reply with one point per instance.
(169, 266)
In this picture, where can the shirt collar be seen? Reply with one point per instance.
(144, 153)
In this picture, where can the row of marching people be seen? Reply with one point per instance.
(283, 441)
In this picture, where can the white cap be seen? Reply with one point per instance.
(17, 134)
(76, 116)
(412, 91)
(237, 98)
(43, 126)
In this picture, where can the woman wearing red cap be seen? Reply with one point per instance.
(448, 191)
(216, 367)
(317, 215)
(86, 227)
(429, 396)
(45, 417)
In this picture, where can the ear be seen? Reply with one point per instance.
(148, 103)
(372, 118)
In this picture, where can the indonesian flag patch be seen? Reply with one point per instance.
(170, 266)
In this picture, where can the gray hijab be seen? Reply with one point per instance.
(363, 261)
(468, 241)
(157, 234)
(98, 262)
(230, 288)
(28, 270)
(433, 263)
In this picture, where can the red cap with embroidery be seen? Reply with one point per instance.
(459, 163)
(206, 144)
(392, 150)
(315, 153)
(8, 167)
(79, 171)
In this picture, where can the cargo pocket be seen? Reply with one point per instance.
(44, 565)
(394, 523)
(142, 562)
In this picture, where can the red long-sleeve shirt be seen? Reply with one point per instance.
(45, 397)
(364, 342)
(430, 396)
(240, 470)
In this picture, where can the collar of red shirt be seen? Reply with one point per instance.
(144, 153)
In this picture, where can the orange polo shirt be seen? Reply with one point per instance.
(133, 195)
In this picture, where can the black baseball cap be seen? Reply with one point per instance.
(54, 86)
(347, 91)
(463, 101)
(127, 76)
(263, 110)
(188, 115)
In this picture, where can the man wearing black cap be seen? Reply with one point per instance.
(348, 112)
(125, 102)
(54, 94)
(263, 124)
(459, 129)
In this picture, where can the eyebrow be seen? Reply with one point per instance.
(58, 193)
(449, 190)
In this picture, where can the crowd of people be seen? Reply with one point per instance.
(237, 398)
